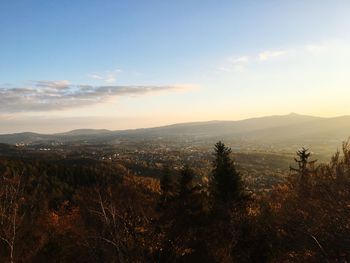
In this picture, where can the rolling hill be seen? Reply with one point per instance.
(272, 129)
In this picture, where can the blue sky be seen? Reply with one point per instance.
(169, 61)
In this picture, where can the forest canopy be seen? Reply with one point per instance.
(83, 210)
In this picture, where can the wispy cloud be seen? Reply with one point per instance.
(306, 52)
(235, 64)
(95, 76)
(239, 64)
(239, 60)
(267, 55)
(324, 50)
(56, 95)
(61, 84)
(107, 77)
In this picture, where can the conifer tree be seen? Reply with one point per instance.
(226, 182)
(304, 170)
(166, 186)
(228, 205)
(188, 230)
(187, 192)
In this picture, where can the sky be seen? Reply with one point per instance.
(127, 64)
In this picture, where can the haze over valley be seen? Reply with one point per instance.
(283, 133)
(167, 131)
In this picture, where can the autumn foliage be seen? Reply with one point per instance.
(88, 211)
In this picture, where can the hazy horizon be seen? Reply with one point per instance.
(124, 65)
(97, 121)
(174, 131)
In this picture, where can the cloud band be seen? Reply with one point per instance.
(57, 95)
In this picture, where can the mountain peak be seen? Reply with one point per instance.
(294, 114)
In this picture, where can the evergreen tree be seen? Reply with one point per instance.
(187, 192)
(228, 206)
(226, 182)
(166, 186)
(188, 231)
(304, 170)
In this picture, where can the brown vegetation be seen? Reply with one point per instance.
(88, 211)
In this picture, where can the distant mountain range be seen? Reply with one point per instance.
(272, 129)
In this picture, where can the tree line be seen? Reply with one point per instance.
(87, 211)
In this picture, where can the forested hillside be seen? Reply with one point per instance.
(56, 209)
(282, 132)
